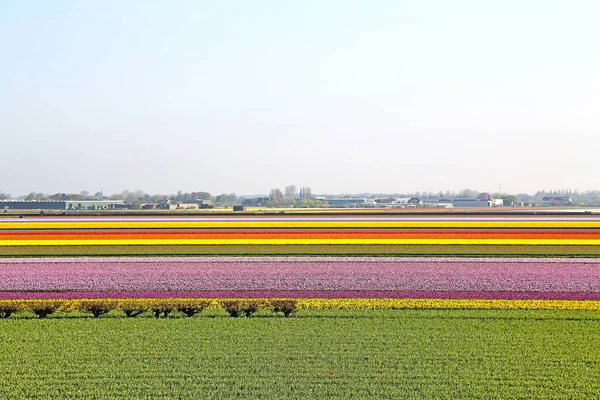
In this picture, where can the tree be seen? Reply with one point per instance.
(179, 196)
(34, 196)
(276, 194)
(290, 191)
(305, 193)
(508, 199)
(468, 193)
(226, 199)
(204, 195)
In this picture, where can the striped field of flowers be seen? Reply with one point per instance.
(63, 283)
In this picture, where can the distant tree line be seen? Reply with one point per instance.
(291, 196)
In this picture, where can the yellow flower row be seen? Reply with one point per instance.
(150, 242)
(166, 224)
(302, 304)
(68, 305)
(389, 304)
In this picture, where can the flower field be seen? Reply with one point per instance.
(307, 222)
(327, 235)
(376, 281)
(395, 306)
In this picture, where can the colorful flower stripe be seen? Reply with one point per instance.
(367, 241)
(337, 304)
(293, 274)
(264, 217)
(321, 304)
(382, 234)
(295, 259)
(304, 294)
(296, 236)
(257, 224)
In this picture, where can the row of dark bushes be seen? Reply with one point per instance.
(160, 308)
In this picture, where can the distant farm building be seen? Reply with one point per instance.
(477, 203)
(471, 203)
(474, 203)
(556, 201)
(93, 204)
(62, 205)
(177, 205)
(32, 205)
(398, 202)
(497, 202)
(256, 202)
(407, 200)
(345, 202)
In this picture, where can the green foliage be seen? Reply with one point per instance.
(226, 199)
(276, 194)
(411, 354)
(291, 191)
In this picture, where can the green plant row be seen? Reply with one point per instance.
(347, 354)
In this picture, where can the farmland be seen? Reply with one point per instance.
(384, 305)
(353, 354)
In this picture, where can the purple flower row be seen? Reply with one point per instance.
(280, 274)
(306, 294)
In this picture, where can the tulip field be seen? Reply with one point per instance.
(361, 306)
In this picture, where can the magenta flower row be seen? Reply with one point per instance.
(306, 294)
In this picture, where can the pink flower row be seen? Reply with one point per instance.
(279, 274)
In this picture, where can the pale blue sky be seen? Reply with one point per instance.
(342, 96)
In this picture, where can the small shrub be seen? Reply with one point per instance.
(132, 307)
(193, 307)
(133, 312)
(96, 307)
(8, 308)
(43, 312)
(249, 307)
(162, 307)
(44, 308)
(233, 307)
(287, 306)
(164, 311)
(236, 308)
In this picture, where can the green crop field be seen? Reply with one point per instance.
(327, 354)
